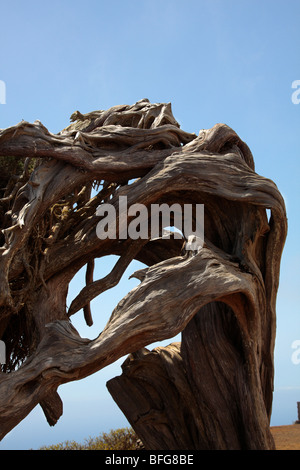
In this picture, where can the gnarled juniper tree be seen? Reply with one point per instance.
(214, 389)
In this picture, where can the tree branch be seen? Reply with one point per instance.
(159, 308)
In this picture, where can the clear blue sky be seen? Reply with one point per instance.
(230, 61)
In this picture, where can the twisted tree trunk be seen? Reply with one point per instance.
(212, 391)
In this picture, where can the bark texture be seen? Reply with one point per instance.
(214, 389)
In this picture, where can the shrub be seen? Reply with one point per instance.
(119, 439)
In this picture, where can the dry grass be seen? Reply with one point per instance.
(286, 437)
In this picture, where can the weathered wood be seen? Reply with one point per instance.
(222, 298)
(52, 407)
(154, 393)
